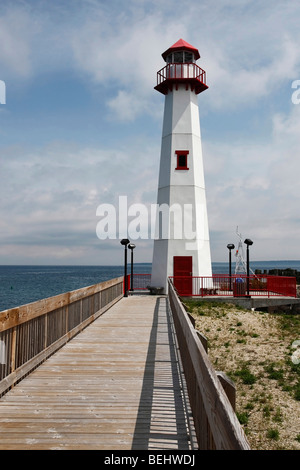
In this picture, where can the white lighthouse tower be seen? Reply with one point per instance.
(181, 244)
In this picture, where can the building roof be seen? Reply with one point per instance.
(181, 45)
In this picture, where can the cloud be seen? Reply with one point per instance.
(245, 84)
(126, 106)
(119, 49)
(246, 57)
(16, 35)
(126, 54)
(112, 50)
(255, 186)
(50, 196)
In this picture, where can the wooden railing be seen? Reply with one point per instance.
(32, 332)
(215, 421)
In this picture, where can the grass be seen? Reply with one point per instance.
(245, 375)
(274, 374)
(273, 434)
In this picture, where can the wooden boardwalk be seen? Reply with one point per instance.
(115, 386)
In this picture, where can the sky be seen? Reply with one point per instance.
(81, 123)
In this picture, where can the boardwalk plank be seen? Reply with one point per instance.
(116, 385)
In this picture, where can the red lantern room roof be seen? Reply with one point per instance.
(181, 45)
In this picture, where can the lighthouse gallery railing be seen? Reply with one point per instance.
(181, 71)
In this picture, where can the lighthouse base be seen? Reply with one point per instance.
(180, 259)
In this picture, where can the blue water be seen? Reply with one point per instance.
(20, 285)
(24, 284)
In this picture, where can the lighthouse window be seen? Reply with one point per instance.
(188, 57)
(178, 57)
(182, 159)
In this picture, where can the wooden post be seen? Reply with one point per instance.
(13, 349)
(228, 386)
(203, 339)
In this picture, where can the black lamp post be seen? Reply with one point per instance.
(230, 247)
(125, 242)
(131, 246)
(248, 242)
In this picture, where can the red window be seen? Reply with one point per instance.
(182, 156)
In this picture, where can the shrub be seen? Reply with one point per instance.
(246, 376)
(273, 434)
(243, 418)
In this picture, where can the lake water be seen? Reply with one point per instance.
(24, 284)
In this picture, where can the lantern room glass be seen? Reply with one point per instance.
(180, 57)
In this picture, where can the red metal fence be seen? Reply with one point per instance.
(235, 286)
(139, 281)
(223, 285)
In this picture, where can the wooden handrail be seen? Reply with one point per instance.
(32, 332)
(216, 424)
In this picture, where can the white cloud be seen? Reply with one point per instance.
(50, 196)
(248, 49)
(126, 106)
(243, 85)
(257, 189)
(16, 34)
(126, 53)
(250, 52)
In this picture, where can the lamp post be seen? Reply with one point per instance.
(125, 242)
(230, 247)
(131, 246)
(248, 242)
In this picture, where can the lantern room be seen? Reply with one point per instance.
(181, 68)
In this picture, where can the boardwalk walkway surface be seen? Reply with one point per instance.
(115, 386)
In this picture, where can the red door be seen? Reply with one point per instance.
(183, 272)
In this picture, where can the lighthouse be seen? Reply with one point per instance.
(181, 243)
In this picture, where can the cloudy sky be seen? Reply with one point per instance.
(81, 123)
